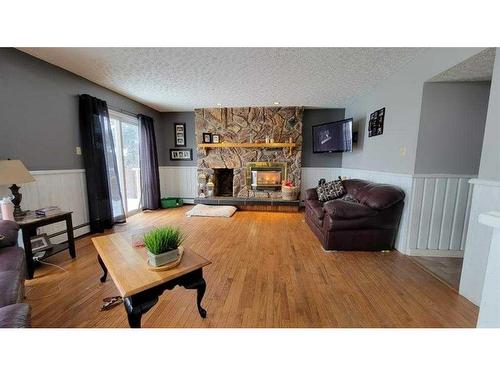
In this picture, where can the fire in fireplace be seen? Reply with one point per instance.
(265, 176)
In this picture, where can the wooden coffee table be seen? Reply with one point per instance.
(140, 286)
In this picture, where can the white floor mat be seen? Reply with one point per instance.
(215, 211)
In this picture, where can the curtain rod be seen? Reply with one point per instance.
(122, 110)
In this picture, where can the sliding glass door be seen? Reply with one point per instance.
(126, 138)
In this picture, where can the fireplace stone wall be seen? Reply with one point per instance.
(249, 124)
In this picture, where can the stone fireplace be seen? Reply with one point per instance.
(240, 129)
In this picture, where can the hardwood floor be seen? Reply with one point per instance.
(268, 270)
(447, 269)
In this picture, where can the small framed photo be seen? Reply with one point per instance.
(207, 137)
(40, 243)
(376, 123)
(215, 138)
(181, 154)
(180, 134)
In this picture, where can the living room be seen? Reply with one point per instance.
(249, 187)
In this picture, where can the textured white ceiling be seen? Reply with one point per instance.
(476, 68)
(181, 79)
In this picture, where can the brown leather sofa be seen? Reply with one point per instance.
(371, 224)
(13, 313)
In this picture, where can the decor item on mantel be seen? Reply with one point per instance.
(14, 172)
(163, 245)
(237, 125)
(207, 138)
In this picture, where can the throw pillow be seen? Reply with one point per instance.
(330, 190)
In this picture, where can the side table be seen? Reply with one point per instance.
(29, 225)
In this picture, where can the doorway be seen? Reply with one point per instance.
(125, 130)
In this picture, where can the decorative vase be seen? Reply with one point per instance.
(210, 188)
(158, 260)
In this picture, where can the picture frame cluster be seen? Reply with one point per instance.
(178, 154)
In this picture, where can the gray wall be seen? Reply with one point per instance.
(39, 111)
(490, 157)
(401, 95)
(314, 117)
(452, 124)
(485, 198)
(168, 119)
(311, 117)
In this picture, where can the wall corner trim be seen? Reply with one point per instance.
(479, 181)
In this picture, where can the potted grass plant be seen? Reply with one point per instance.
(163, 245)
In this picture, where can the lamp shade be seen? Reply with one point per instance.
(14, 172)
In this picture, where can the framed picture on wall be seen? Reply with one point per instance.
(207, 137)
(376, 123)
(181, 154)
(180, 134)
(215, 138)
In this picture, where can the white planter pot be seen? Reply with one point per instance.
(163, 258)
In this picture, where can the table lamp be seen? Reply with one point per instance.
(14, 172)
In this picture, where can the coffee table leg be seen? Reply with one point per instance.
(104, 269)
(200, 292)
(136, 306)
(200, 285)
(133, 316)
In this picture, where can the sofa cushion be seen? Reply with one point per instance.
(340, 209)
(330, 190)
(15, 316)
(380, 196)
(8, 229)
(11, 286)
(12, 259)
(349, 198)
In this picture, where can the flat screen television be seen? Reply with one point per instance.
(333, 136)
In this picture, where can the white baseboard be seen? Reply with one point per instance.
(435, 253)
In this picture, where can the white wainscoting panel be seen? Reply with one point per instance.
(180, 182)
(440, 209)
(485, 197)
(63, 188)
(404, 181)
(311, 175)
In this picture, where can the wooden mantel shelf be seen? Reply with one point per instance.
(206, 146)
(246, 145)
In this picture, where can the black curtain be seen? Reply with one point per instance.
(103, 184)
(148, 156)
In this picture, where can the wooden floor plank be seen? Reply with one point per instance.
(268, 270)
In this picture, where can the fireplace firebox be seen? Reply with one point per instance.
(265, 176)
(223, 181)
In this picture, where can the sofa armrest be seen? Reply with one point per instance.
(15, 316)
(339, 209)
(8, 229)
(311, 195)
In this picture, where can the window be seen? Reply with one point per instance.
(125, 131)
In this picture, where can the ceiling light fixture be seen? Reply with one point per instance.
(276, 103)
(219, 104)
